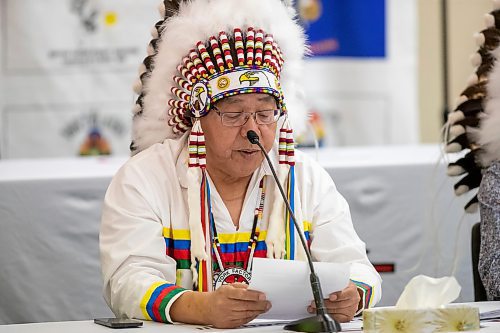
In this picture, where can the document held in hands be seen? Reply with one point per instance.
(286, 284)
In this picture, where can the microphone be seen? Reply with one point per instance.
(322, 322)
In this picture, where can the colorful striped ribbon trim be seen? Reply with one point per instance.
(234, 246)
(367, 292)
(290, 229)
(156, 299)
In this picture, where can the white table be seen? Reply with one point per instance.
(404, 208)
(152, 327)
(401, 201)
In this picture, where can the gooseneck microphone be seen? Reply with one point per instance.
(322, 322)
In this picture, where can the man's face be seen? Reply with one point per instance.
(229, 153)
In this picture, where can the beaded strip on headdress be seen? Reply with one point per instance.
(464, 122)
(200, 83)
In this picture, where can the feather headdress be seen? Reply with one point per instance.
(474, 125)
(186, 23)
(201, 52)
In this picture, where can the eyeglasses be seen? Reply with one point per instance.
(234, 119)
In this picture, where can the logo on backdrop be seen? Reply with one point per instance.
(97, 27)
(86, 13)
(310, 10)
(94, 125)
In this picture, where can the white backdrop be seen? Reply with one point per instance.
(68, 65)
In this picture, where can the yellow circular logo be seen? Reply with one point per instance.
(110, 18)
(223, 82)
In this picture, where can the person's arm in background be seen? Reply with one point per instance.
(489, 257)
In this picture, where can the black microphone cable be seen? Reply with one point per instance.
(330, 325)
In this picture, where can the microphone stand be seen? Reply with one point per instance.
(322, 322)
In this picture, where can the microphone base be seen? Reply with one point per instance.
(316, 324)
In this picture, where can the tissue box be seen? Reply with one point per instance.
(446, 319)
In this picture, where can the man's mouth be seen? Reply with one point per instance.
(248, 152)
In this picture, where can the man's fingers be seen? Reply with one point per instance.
(348, 303)
(335, 296)
(235, 305)
(242, 321)
(246, 295)
(337, 304)
(342, 318)
(261, 306)
(239, 285)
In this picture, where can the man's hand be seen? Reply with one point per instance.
(229, 306)
(341, 305)
(233, 305)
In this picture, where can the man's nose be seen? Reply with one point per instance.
(251, 124)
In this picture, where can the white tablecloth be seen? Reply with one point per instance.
(401, 202)
(153, 327)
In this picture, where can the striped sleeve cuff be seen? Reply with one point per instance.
(156, 303)
(366, 292)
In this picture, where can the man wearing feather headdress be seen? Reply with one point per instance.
(185, 216)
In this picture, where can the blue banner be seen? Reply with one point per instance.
(345, 28)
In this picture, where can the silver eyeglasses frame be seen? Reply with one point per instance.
(241, 118)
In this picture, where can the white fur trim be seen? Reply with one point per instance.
(299, 249)
(197, 20)
(275, 239)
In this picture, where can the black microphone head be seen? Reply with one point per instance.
(253, 137)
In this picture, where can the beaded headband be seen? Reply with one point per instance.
(200, 82)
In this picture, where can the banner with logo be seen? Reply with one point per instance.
(67, 68)
(361, 81)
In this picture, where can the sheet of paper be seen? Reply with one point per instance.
(286, 284)
(490, 315)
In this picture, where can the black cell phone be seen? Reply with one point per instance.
(118, 323)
